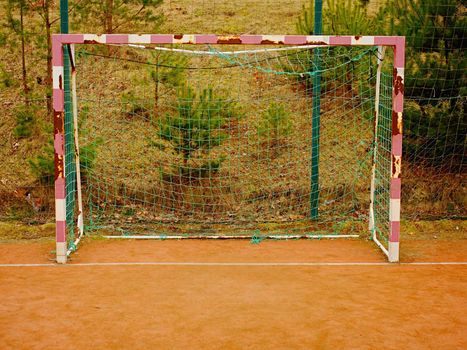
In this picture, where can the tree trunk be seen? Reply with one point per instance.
(108, 21)
(156, 89)
(23, 59)
(48, 80)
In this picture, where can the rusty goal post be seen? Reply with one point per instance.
(209, 136)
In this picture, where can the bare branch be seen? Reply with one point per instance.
(130, 18)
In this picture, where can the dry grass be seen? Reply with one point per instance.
(137, 161)
(450, 230)
(14, 231)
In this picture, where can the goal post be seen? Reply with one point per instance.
(210, 136)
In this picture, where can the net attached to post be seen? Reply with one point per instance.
(215, 141)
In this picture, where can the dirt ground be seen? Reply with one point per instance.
(233, 306)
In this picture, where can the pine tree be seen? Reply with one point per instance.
(435, 79)
(15, 17)
(167, 73)
(275, 124)
(196, 129)
(119, 15)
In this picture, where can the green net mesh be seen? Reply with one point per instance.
(215, 141)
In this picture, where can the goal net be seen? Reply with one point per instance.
(182, 137)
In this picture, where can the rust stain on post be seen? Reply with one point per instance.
(58, 166)
(398, 83)
(316, 43)
(58, 132)
(229, 40)
(399, 122)
(91, 42)
(396, 167)
(271, 42)
(58, 122)
(396, 123)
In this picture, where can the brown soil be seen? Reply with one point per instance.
(234, 307)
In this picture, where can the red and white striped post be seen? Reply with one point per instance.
(396, 149)
(59, 149)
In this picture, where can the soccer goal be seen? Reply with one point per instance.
(222, 137)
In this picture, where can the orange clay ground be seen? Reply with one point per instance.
(233, 306)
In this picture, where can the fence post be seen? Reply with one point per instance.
(315, 119)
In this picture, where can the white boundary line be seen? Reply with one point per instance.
(169, 263)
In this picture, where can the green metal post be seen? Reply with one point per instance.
(69, 137)
(315, 128)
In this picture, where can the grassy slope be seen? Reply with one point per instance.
(196, 17)
(277, 16)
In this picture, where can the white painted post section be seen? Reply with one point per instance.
(371, 225)
(80, 223)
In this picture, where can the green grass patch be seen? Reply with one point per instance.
(20, 231)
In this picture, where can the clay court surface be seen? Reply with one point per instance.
(234, 295)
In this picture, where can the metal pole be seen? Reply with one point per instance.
(315, 128)
(74, 100)
(371, 224)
